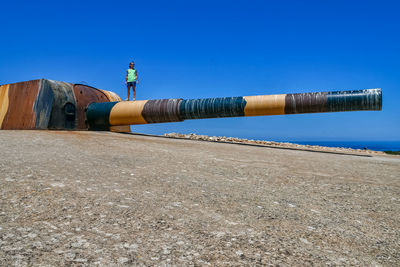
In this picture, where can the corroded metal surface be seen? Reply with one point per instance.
(305, 103)
(98, 116)
(171, 110)
(163, 110)
(47, 104)
(3, 102)
(44, 105)
(370, 99)
(84, 96)
(20, 113)
(111, 96)
(63, 114)
(212, 108)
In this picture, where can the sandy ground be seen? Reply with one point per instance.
(90, 198)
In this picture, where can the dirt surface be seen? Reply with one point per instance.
(90, 198)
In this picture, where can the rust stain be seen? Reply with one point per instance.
(22, 97)
(75, 134)
(85, 95)
(112, 97)
(3, 102)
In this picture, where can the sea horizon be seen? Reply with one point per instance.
(370, 145)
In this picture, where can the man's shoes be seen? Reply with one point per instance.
(126, 99)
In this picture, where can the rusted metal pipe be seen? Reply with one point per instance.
(101, 116)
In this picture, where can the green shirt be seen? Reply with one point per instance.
(132, 77)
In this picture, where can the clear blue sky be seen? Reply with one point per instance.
(199, 49)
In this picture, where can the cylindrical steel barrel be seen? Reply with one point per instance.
(101, 116)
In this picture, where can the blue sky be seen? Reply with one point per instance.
(199, 49)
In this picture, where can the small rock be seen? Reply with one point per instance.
(57, 185)
(69, 256)
(123, 260)
(239, 253)
(305, 241)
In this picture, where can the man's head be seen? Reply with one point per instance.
(132, 65)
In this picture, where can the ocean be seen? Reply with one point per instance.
(371, 145)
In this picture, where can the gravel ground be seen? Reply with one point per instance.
(91, 198)
(283, 145)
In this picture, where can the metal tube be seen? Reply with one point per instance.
(101, 116)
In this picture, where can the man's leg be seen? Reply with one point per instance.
(134, 91)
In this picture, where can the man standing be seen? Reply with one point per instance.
(131, 80)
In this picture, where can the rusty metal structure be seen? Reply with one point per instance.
(47, 104)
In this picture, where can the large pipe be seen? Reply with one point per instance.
(101, 116)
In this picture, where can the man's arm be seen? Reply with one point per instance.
(137, 78)
(126, 78)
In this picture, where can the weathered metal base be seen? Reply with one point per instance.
(47, 104)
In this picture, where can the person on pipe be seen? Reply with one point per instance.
(131, 80)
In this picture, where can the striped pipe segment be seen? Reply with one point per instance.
(101, 116)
